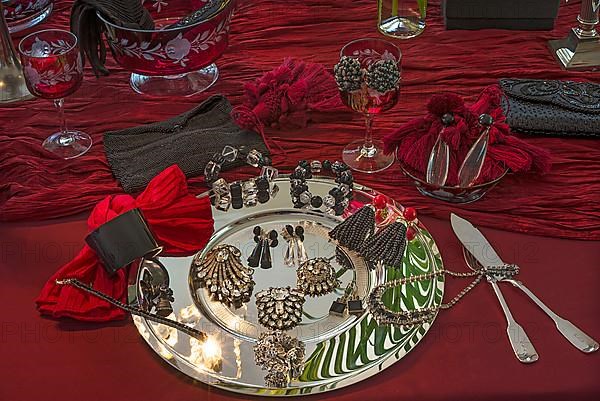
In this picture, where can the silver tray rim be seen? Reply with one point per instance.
(147, 332)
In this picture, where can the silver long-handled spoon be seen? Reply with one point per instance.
(574, 334)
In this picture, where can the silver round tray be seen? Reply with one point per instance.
(340, 350)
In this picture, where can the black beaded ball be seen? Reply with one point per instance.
(383, 76)
(316, 201)
(348, 74)
(447, 119)
(486, 120)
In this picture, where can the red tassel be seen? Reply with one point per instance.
(285, 96)
(413, 141)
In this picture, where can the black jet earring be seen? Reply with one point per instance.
(261, 255)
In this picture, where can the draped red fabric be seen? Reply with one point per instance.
(563, 203)
(181, 223)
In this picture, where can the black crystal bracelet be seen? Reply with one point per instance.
(336, 201)
(240, 193)
(229, 154)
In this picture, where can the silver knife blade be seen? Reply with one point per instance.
(474, 241)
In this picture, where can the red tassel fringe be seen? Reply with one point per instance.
(284, 97)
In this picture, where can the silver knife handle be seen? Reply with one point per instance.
(574, 334)
(520, 343)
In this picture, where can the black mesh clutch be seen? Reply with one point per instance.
(137, 154)
(558, 108)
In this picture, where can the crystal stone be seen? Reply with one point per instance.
(316, 166)
(305, 197)
(229, 153)
(211, 171)
(254, 158)
(329, 201)
(269, 172)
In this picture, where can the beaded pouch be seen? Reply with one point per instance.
(559, 108)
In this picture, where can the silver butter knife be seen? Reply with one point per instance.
(480, 248)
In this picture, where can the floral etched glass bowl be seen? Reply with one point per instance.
(172, 61)
(452, 194)
(24, 14)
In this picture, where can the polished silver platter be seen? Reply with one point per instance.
(340, 350)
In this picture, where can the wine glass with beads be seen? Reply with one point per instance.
(53, 69)
(368, 77)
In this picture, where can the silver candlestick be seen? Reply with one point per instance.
(581, 49)
(12, 82)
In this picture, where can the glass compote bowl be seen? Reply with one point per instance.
(53, 69)
(172, 61)
(24, 14)
(367, 155)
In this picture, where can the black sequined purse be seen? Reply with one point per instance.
(555, 108)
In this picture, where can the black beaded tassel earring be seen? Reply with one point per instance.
(353, 232)
(387, 245)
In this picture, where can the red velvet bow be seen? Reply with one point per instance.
(415, 139)
(181, 223)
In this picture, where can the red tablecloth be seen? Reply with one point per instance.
(466, 355)
(565, 203)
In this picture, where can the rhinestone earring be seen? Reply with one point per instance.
(222, 273)
(279, 308)
(281, 355)
(295, 254)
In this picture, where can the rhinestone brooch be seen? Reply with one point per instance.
(222, 273)
(279, 308)
(281, 355)
(316, 277)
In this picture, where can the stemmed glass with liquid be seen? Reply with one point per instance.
(367, 155)
(53, 69)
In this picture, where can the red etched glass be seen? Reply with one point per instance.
(367, 155)
(24, 14)
(51, 63)
(53, 69)
(172, 60)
